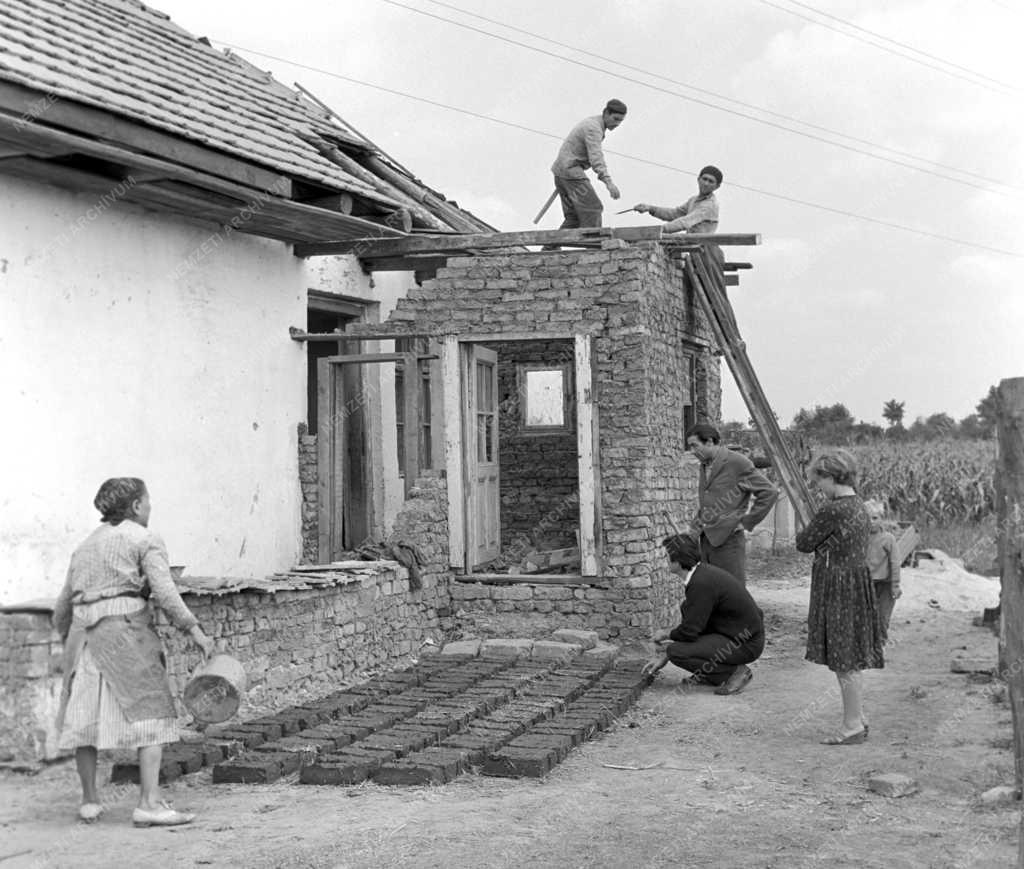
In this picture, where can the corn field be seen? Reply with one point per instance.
(929, 481)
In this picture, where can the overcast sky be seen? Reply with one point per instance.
(836, 308)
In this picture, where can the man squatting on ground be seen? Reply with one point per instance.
(734, 498)
(580, 151)
(721, 630)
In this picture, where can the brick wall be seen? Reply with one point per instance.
(538, 471)
(643, 320)
(310, 496)
(29, 693)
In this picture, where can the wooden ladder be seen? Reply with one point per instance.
(709, 287)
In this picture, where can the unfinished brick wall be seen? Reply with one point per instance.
(538, 470)
(633, 302)
(310, 496)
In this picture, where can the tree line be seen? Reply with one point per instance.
(835, 424)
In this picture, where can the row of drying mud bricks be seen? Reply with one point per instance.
(428, 725)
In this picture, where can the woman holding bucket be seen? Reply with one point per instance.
(116, 693)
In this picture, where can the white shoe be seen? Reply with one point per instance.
(164, 816)
(89, 813)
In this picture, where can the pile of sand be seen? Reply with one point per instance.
(940, 582)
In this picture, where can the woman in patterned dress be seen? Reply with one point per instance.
(116, 693)
(843, 631)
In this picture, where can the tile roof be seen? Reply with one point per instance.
(121, 56)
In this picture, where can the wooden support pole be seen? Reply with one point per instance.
(1009, 480)
(411, 412)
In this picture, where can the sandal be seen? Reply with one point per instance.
(89, 813)
(853, 739)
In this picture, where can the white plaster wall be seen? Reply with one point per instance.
(136, 344)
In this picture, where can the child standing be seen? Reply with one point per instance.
(884, 564)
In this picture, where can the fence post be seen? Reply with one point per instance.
(1009, 484)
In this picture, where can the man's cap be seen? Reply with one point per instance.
(713, 171)
(617, 106)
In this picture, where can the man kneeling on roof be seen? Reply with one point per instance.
(721, 630)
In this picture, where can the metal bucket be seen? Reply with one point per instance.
(215, 690)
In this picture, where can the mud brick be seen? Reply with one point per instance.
(421, 693)
(190, 756)
(532, 712)
(304, 748)
(477, 747)
(239, 733)
(400, 704)
(213, 753)
(341, 703)
(561, 743)
(270, 728)
(600, 716)
(371, 689)
(431, 734)
(317, 744)
(307, 716)
(401, 744)
(486, 700)
(255, 768)
(496, 723)
(576, 733)
(347, 767)
(520, 762)
(454, 761)
(376, 717)
(403, 678)
(380, 755)
(338, 735)
(617, 701)
(409, 772)
(448, 689)
(437, 720)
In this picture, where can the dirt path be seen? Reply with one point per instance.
(730, 782)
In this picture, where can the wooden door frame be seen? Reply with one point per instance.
(331, 430)
(454, 356)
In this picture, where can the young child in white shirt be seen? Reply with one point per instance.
(884, 564)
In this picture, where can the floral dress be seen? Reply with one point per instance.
(843, 630)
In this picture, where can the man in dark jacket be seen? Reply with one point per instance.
(734, 498)
(721, 630)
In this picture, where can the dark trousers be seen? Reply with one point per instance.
(731, 556)
(885, 602)
(714, 656)
(580, 203)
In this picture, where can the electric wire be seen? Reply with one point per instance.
(905, 45)
(513, 125)
(1002, 89)
(701, 102)
(719, 96)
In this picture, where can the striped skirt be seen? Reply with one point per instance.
(94, 717)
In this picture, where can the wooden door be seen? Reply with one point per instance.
(482, 490)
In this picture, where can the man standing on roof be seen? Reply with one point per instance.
(699, 213)
(582, 150)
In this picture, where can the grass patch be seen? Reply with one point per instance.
(972, 542)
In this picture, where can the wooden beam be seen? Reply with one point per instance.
(371, 247)
(326, 485)
(404, 263)
(411, 400)
(1009, 480)
(341, 202)
(732, 280)
(65, 112)
(726, 239)
(363, 358)
(451, 384)
(585, 453)
(530, 579)
(733, 267)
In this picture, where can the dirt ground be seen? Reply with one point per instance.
(686, 779)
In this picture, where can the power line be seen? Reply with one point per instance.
(549, 135)
(906, 46)
(701, 102)
(724, 97)
(912, 59)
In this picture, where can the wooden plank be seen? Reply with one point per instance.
(540, 335)
(733, 267)
(363, 358)
(530, 579)
(722, 239)
(376, 247)
(67, 113)
(585, 453)
(1009, 481)
(313, 222)
(404, 263)
(712, 299)
(452, 404)
(341, 202)
(411, 397)
(324, 460)
(732, 280)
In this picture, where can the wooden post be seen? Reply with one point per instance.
(1010, 535)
